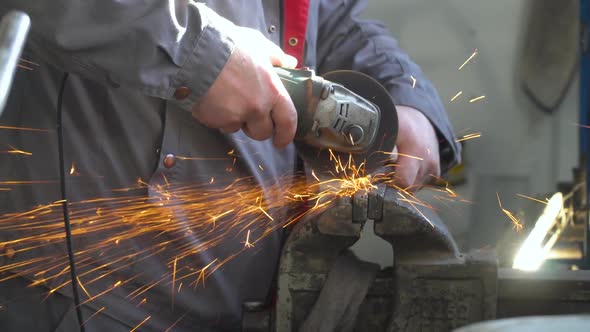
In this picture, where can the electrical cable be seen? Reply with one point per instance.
(65, 209)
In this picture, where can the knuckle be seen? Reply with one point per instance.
(259, 110)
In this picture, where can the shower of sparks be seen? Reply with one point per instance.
(16, 151)
(178, 224)
(473, 100)
(516, 224)
(413, 81)
(140, 324)
(475, 52)
(457, 96)
(24, 129)
(468, 137)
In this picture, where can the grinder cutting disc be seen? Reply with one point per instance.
(379, 153)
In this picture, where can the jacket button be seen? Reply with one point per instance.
(182, 92)
(169, 161)
(272, 28)
(293, 41)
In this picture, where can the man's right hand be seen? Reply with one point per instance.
(249, 95)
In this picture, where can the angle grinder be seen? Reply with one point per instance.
(344, 111)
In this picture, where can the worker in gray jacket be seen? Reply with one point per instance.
(162, 91)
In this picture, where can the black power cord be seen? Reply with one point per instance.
(65, 208)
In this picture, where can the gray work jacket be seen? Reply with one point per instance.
(127, 58)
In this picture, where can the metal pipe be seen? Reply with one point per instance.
(14, 28)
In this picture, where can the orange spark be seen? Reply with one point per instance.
(83, 288)
(475, 52)
(314, 176)
(202, 273)
(394, 154)
(468, 137)
(532, 199)
(94, 314)
(265, 213)
(29, 62)
(16, 151)
(176, 322)
(140, 324)
(8, 183)
(73, 169)
(456, 96)
(473, 100)
(24, 129)
(351, 139)
(202, 158)
(247, 243)
(24, 67)
(516, 223)
(174, 280)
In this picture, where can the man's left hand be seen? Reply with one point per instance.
(418, 161)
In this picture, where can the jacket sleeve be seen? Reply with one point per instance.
(347, 42)
(154, 46)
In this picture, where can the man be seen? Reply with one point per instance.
(141, 72)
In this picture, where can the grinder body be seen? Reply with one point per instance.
(346, 112)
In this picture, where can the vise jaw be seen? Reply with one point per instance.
(430, 287)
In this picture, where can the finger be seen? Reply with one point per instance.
(278, 58)
(260, 128)
(284, 117)
(230, 129)
(283, 60)
(394, 156)
(407, 172)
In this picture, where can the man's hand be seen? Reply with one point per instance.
(249, 95)
(418, 158)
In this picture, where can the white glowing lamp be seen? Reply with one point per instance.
(532, 252)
